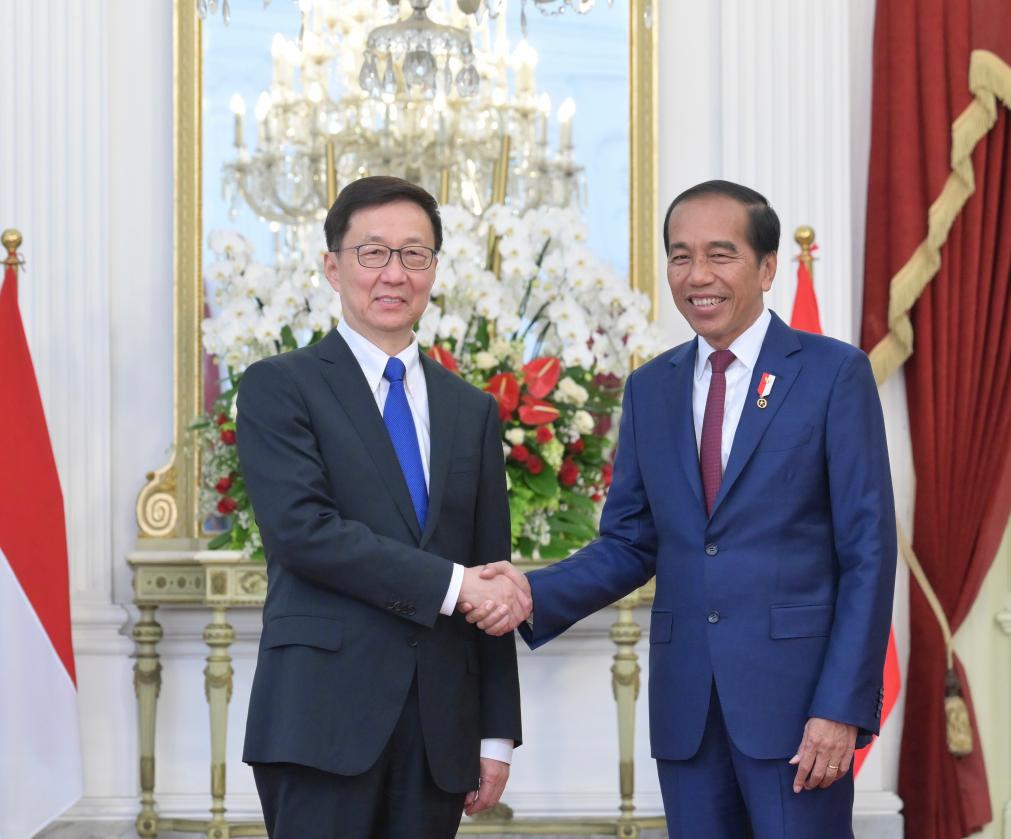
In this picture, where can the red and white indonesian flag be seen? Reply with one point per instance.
(40, 747)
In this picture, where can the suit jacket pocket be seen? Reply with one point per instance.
(783, 439)
(660, 626)
(304, 630)
(801, 621)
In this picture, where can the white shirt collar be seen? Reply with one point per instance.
(373, 360)
(745, 349)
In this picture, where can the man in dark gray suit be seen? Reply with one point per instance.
(378, 483)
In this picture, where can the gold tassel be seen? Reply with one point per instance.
(956, 714)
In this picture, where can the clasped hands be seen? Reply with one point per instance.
(496, 597)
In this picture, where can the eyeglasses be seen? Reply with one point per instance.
(412, 257)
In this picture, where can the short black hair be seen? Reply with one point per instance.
(763, 223)
(375, 191)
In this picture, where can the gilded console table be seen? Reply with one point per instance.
(222, 580)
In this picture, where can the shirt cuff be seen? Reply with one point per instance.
(453, 593)
(497, 749)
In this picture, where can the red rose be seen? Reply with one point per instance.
(226, 506)
(596, 498)
(544, 435)
(603, 425)
(577, 446)
(222, 419)
(568, 474)
(535, 465)
(223, 485)
(228, 437)
(606, 473)
(519, 453)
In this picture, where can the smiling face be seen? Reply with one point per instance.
(383, 304)
(714, 274)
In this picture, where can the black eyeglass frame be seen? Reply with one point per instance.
(398, 251)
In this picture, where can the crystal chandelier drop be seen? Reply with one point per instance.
(459, 114)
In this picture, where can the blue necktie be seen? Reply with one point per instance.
(400, 425)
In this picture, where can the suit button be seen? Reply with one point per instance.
(412, 642)
(713, 617)
(712, 549)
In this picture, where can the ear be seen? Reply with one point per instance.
(331, 268)
(767, 270)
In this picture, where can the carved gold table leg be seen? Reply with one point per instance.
(625, 633)
(147, 685)
(218, 635)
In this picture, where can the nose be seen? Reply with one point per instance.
(394, 272)
(699, 273)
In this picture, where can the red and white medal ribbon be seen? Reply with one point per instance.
(765, 388)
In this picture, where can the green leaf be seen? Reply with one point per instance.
(545, 484)
(220, 541)
(288, 338)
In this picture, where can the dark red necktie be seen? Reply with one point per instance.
(711, 450)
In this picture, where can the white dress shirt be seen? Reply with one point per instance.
(745, 349)
(373, 360)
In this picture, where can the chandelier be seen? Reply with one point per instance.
(475, 7)
(450, 106)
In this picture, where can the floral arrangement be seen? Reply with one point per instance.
(551, 337)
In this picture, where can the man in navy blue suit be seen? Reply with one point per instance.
(752, 480)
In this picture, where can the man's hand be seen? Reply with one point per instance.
(825, 753)
(494, 774)
(503, 600)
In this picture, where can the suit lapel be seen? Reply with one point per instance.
(678, 394)
(344, 376)
(442, 412)
(777, 357)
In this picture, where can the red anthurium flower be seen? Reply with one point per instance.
(568, 474)
(228, 437)
(519, 453)
(537, 411)
(226, 506)
(223, 485)
(606, 474)
(541, 375)
(535, 465)
(577, 446)
(506, 391)
(222, 419)
(444, 357)
(544, 434)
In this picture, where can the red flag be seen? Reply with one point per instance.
(805, 304)
(805, 317)
(40, 757)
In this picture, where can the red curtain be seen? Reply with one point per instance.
(959, 376)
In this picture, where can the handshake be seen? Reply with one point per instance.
(496, 597)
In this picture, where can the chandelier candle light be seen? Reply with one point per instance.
(417, 98)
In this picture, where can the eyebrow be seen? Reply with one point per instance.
(376, 238)
(719, 243)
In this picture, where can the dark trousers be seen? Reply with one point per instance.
(721, 793)
(395, 799)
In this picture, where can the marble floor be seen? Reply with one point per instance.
(864, 827)
(124, 830)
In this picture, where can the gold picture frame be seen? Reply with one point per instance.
(168, 507)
